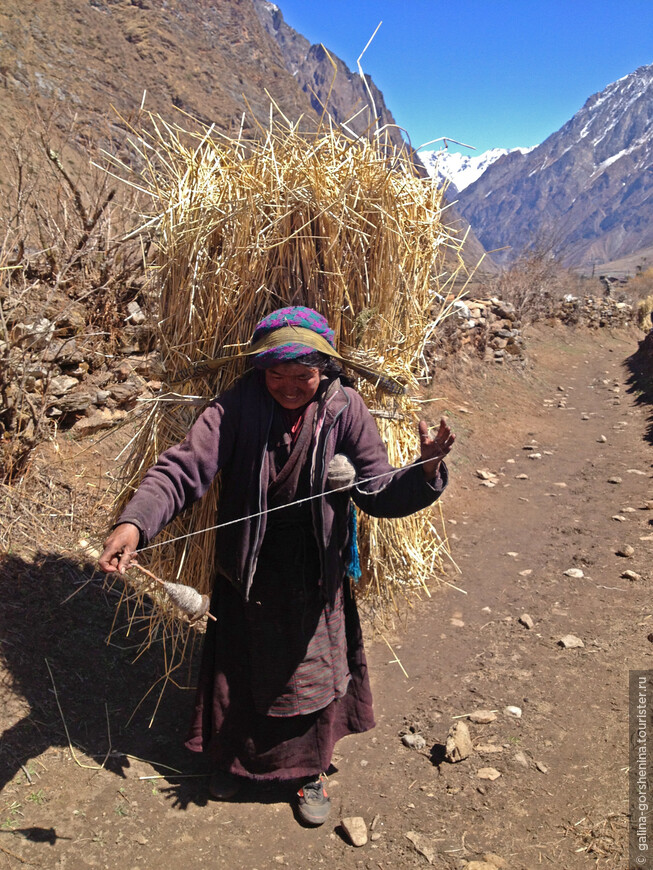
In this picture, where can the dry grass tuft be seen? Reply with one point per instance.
(339, 224)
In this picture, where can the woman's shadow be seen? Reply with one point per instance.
(61, 683)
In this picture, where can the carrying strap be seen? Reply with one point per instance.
(292, 335)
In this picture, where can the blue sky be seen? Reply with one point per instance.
(490, 73)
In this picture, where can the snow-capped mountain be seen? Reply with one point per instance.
(586, 192)
(461, 170)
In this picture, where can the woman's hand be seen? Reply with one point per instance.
(119, 548)
(434, 447)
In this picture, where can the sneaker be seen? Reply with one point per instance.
(223, 786)
(314, 803)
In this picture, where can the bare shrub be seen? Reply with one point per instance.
(537, 282)
(67, 271)
(641, 285)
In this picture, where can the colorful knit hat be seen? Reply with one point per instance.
(297, 316)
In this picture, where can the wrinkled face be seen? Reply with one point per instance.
(292, 384)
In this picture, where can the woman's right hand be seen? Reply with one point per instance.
(119, 548)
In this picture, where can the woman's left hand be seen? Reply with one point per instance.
(434, 447)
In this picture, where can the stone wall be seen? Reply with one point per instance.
(56, 365)
(492, 330)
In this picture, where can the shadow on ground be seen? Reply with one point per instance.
(54, 653)
(640, 379)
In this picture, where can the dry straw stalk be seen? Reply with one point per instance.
(340, 224)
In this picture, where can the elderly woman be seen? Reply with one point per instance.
(283, 673)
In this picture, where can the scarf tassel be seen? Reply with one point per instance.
(353, 568)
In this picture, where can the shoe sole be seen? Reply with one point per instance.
(313, 822)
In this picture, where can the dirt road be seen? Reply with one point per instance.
(554, 442)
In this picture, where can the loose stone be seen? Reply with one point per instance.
(482, 717)
(513, 711)
(576, 573)
(487, 748)
(458, 744)
(62, 384)
(626, 551)
(631, 575)
(413, 741)
(356, 830)
(570, 641)
(490, 773)
(422, 844)
(526, 620)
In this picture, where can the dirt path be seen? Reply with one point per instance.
(561, 798)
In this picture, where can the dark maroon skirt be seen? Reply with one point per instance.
(248, 657)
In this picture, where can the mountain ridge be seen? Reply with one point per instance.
(461, 170)
(586, 192)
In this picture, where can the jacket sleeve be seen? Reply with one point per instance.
(182, 474)
(392, 492)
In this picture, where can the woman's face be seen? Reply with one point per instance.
(292, 385)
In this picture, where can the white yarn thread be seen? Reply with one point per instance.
(282, 507)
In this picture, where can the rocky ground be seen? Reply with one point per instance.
(551, 472)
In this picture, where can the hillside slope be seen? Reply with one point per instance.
(75, 74)
(86, 56)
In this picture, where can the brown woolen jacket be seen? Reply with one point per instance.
(230, 438)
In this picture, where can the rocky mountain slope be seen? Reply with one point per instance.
(359, 106)
(586, 192)
(75, 73)
(97, 59)
(93, 58)
(351, 101)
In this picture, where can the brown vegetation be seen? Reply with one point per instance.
(67, 274)
(537, 282)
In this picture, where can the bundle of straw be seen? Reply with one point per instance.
(325, 220)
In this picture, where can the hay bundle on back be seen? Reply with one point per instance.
(244, 228)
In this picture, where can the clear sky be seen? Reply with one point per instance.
(490, 73)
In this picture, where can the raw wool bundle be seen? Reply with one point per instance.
(323, 220)
(187, 599)
(341, 472)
